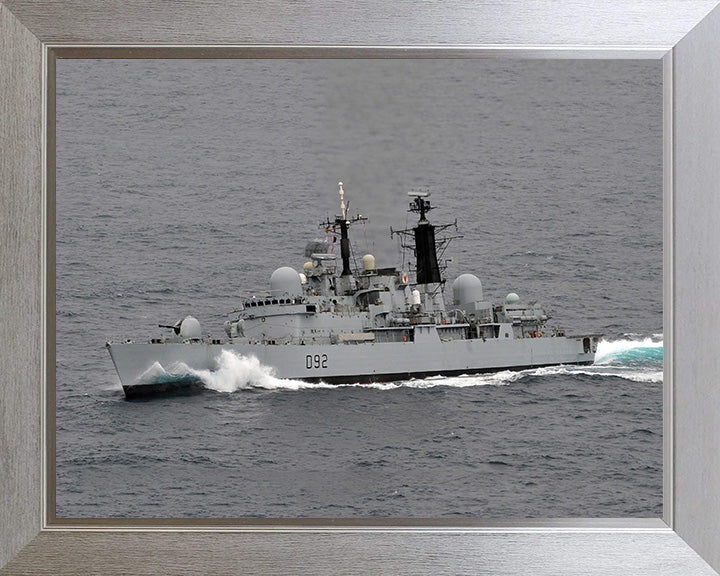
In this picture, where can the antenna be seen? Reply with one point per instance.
(342, 200)
(344, 221)
(419, 204)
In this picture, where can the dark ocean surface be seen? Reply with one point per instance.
(181, 186)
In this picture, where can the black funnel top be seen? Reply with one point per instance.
(428, 270)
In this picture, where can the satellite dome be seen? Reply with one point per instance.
(285, 281)
(512, 298)
(368, 262)
(467, 288)
(190, 327)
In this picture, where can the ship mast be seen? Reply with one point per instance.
(344, 237)
(428, 271)
(343, 221)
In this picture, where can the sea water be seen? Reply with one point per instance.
(181, 186)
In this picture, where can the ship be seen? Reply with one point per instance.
(338, 322)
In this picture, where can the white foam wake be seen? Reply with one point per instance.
(607, 349)
(464, 381)
(601, 370)
(236, 372)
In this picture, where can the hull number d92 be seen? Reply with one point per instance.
(316, 361)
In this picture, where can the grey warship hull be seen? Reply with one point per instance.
(357, 326)
(147, 369)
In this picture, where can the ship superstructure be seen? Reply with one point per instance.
(330, 323)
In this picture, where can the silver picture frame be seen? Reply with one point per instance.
(684, 34)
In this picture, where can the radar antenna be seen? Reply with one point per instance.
(420, 205)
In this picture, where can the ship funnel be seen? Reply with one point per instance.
(428, 271)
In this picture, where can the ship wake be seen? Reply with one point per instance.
(629, 359)
(235, 372)
(634, 359)
(643, 352)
